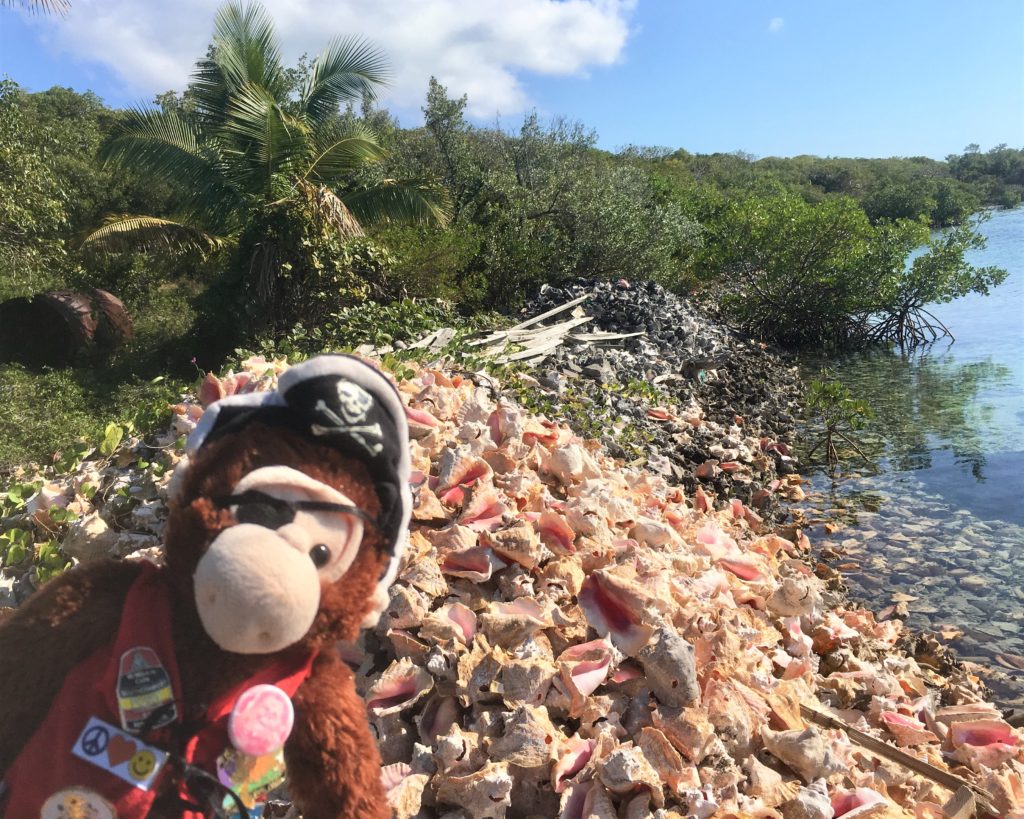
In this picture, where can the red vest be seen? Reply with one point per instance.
(87, 752)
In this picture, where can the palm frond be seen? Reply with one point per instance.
(126, 232)
(336, 154)
(264, 138)
(159, 142)
(245, 47)
(209, 90)
(405, 201)
(346, 71)
(244, 51)
(170, 147)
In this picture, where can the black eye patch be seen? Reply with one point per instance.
(264, 512)
(261, 509)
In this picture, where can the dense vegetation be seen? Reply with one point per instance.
(269, 194)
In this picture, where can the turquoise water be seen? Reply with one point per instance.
(938, 513)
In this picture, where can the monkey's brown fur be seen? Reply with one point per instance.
(333, 764)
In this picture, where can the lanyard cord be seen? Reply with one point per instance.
(191, 773)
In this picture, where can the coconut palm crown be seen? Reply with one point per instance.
(247, 148)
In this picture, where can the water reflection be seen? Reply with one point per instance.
(936, 514)
(927, 404)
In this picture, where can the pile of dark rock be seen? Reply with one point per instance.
(731, 400)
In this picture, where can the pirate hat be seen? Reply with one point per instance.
(342, 402)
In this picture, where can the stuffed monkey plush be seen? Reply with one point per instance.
(128, 690)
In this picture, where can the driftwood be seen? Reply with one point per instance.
(957, 805)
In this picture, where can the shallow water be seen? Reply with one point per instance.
(938, 514)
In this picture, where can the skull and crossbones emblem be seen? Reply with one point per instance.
(354, 404)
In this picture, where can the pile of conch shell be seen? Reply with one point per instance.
(569, 637)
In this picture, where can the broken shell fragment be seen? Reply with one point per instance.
(768, 784)
(587, 800)
(457, 471)
(859, 804)
(688, 729)
(453, 621)
(482, 509)
(811, 802)
(526, 681)
(555, 532)
(570, 463)
(984, 743)
(907, 730)
(795, 596)
(509, 624)
(584, 668)
(405, 796)
(666, 761)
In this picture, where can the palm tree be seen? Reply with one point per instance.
(246, 153)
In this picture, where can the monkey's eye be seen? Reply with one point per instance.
(320, 555)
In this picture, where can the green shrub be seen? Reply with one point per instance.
(46, 414)
(429, 262)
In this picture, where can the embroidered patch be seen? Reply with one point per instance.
(77, 803)
(251, 778)
(119, 753)
(353, 404)
(143, 686)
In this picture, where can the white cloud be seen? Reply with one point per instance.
(474, 47)
(775, 25)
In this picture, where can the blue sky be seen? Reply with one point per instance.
(896, 78)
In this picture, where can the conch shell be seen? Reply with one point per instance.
(806, 752)
(400, 687)
(483, 793)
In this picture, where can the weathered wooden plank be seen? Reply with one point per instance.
(495, 336)
(443, 336)
(893, 754)
(551, 344)
(537, 359)
(530, 337)
(553, 312)
(603, 336)
(963, 805)
(521, 336)
(549, 330)
(426, 341)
